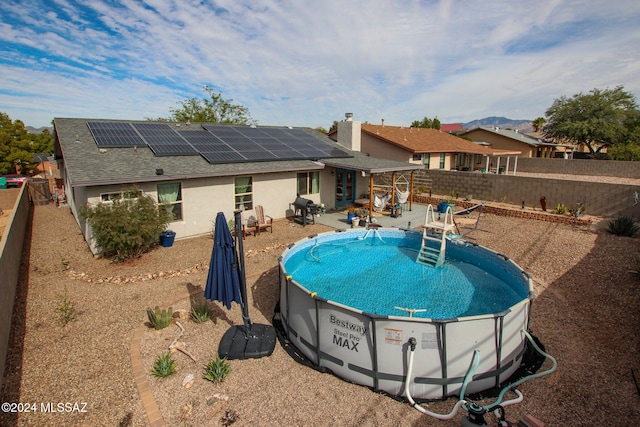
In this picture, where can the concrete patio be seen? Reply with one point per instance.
(409, 218)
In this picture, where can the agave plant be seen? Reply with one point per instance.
(623, 226)
(217, 370)
(200, 314)
(164, 366)
(160, 319)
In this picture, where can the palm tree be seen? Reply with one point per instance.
(538, 123)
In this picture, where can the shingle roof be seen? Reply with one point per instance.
(424, 140)
(512, 134)
(87, 164)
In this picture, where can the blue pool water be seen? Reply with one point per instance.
(377, 274)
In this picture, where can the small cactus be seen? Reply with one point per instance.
(160, 319)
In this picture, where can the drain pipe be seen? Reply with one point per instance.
(460, 403)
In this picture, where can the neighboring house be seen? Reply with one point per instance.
(197, 170)
(451, 127)
(507, 139)
(422, 146)
(569, 151)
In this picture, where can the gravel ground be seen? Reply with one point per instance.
(586, 314)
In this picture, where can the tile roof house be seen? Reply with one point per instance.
(197, 170)
(430, 147)
(508, 139)
(451, 127)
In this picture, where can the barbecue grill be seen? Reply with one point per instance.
(304, 211)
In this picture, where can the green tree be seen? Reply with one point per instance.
(17, 145)
(628, 151)
(214, 109)
(538, 123)
(426, 123)
(599, 119)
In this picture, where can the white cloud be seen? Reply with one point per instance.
(303, 63)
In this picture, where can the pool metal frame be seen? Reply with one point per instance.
(371, 349)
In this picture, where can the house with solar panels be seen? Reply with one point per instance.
(196, 170)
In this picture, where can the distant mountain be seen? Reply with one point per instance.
(31, 129)
(501, 122)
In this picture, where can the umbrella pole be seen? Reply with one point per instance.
(243, 278)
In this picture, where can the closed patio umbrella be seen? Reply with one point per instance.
(226, 283)
(223, 280)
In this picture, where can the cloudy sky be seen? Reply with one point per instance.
(306, 63)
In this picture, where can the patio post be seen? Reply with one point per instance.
(370, 195)
(393, 189)
(411, 192)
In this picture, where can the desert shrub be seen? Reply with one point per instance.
(160, 319)
(623, 226)
(127, 226)
(201, 313)
(66, 308)
(561, 209)
(164, 366)
(217, 370)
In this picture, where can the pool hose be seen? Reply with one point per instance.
(474, 365)
(461, 402)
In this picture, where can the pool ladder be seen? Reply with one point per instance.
(441, 225)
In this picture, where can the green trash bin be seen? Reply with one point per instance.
(3, 183)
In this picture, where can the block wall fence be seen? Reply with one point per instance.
(601, 199)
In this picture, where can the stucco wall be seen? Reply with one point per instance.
(384, 150)
(203, 198)
(11, 246)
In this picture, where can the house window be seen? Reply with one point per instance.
(426, 159)
(170, 198)
(441, 160)
(478, 159)
(244, 192)
(116, 195)
(308, 183)
(417, 157)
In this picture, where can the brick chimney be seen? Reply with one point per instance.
(349, 133)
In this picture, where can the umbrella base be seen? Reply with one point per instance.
(260, 342)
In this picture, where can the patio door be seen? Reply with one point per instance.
(345, 187)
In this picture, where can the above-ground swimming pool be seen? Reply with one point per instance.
(351, 300)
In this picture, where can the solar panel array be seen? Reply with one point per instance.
(163, 140)
(217, 143)
(115, 135)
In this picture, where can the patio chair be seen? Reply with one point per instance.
(262, 221)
